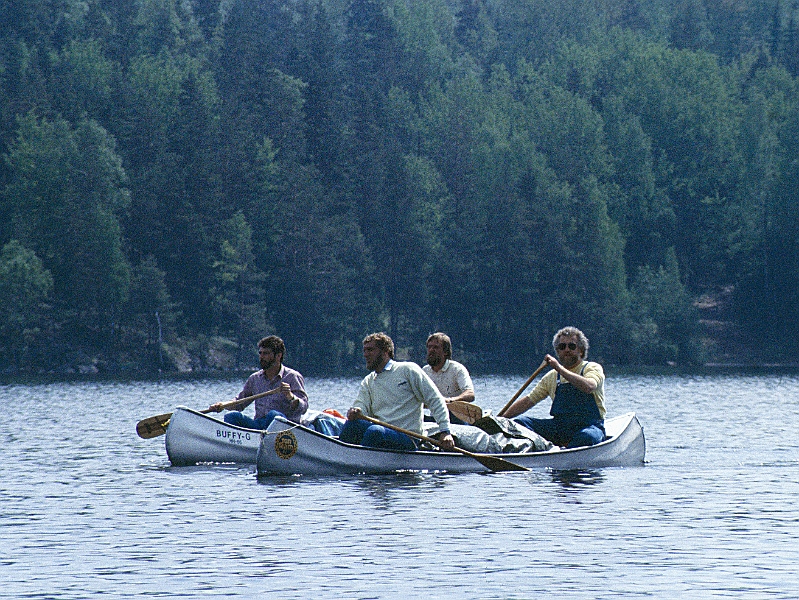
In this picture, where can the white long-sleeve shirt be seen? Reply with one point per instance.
(398, 395)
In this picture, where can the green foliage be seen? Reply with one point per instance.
(81, 80)
(169, 135)
(149, 317)
(238, 293)
(65, 192)
(25, 286)
(765, 240)
(475, 32)
(663, 314)
(324, 168)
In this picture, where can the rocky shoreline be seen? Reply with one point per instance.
(724, 346)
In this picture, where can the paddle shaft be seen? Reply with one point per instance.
(154, 426)
(521, 389)
(492, 463)
(235, 402)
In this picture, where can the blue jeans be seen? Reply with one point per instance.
(365, 433)
(563, 434)
(241, 420)
(327, 425)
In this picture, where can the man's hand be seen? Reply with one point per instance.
(447, 441)
(553, 363)
(353, 414)
(285, 389)
(217, 407)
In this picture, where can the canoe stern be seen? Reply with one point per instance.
(193, 437)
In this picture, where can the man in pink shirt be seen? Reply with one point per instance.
(291, 402)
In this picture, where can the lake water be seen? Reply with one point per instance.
(87, 508)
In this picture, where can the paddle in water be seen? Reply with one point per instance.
(154, 426)
(492, 463)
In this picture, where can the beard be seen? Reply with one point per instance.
(570, 361)
(434, 361)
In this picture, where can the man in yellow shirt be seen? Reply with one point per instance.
(577, 389)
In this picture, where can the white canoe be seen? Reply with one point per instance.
(287, 448)
(193, 437)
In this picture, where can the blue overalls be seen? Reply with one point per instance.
(575, 418)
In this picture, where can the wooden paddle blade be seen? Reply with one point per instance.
(153, 426)
(497, 464)
(466, 411)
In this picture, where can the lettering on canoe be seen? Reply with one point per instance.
(233, 437)
(285, 444)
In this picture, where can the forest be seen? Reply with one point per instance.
(180, 178)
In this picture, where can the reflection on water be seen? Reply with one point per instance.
(576, 479)
(384, 490)
(88, 508)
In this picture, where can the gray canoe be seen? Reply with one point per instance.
(288, 448)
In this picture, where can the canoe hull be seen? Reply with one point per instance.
(287, 448)
(193, 438)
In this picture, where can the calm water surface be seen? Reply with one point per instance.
(87, 508)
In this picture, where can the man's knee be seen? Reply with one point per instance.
(233, 418)
(375, 436)
(587, 437)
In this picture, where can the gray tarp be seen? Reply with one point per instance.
(494, 435)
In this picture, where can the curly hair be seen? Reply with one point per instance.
(383, 342)
(582, 341)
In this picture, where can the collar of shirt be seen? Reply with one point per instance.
(276, 377)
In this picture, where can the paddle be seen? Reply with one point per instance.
(466, 411)
(154, 426)
(524, 387)
(491, 463)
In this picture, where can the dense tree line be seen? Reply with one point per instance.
(181, 177)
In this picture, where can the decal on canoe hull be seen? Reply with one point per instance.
(285, 444)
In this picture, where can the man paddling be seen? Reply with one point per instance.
(395, 393)
(291, 402)
(450, 377)
(577, 389)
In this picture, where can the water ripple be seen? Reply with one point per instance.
(88, 508)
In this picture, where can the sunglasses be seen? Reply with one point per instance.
(570, 345)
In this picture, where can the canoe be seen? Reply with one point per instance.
(193, 437)
(287, 448)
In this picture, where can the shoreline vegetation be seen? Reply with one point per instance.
(724, 346)
(179, 178)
